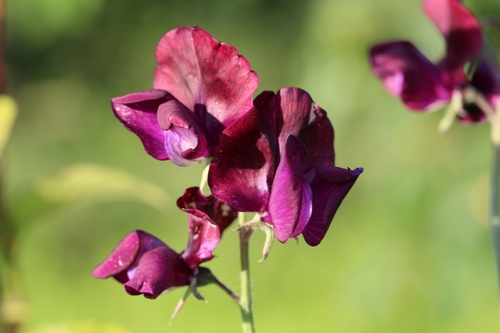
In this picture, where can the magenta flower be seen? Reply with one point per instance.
(200, 87)
(145, 265)
(278, 160)
(423, 85)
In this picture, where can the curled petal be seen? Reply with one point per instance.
(244, 162)
(207, 76)
(145, 265)
(221, 213)
(460, 29)
(137, 112)
(409, 75)
(185, 138)
(204, 236)
(158, 270)
(290, 204)
(329, 187)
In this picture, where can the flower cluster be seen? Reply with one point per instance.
(272, 155)
(425, 86)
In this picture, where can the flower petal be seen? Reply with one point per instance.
(459, 27)
(306, 120)
(204, 236)
(207, 76)
(244, 161)
(122, 257)
(219, 212)
(409, 75)
(159, 269)
(329, 186)
(290, 203)
(185, 138)
(137, 112)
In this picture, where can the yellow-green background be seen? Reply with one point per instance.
(408, 251)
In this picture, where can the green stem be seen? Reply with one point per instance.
(245, 283)
(494, 216)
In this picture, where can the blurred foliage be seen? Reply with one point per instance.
(8, 111)
(409, 250)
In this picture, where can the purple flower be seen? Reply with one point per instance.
(278, 160)
(425, 86)
(145, 265)
(200, 87)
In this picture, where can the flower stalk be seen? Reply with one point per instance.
(245, 282)
(494, 213)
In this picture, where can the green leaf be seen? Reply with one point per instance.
(91, 184)
(8, 112)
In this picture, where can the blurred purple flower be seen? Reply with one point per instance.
(278, 160)
(425, 86)
(200, 87)
(145, 265)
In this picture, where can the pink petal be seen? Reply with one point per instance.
(459, 27)
(207, 76)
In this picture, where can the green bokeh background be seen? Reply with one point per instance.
(408, 251)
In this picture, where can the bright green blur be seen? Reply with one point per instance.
(408, 252)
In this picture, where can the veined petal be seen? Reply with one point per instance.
(219, 212)
(329, 186)
(157, 270)
(185, 138)
(409, 75)
(137, 112)
(460, 29)
(207, 76)
(290, 203)
(244, 162)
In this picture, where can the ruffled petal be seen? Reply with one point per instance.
(137, 112)
(220, 212)
(329, 186)
(207, 76)
(245, 161)
(186, 141)
(409, 75)
(158, 270)
(460, 29)
(290, 203)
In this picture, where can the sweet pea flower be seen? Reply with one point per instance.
(425, 86)
(200, 87)
(145, 265)
(278, 160)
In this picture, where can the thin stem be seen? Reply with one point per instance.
(245, 283)
(494, 216)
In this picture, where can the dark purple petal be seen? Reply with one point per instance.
(306, 120)
(290, 203)
(207, 76)
(185, 138)
(137, 112)
(245, 161)
(409, 75)
(460, 29)
(158, 270)
(122, 257)
(221, 213)
(145, 265)
(329, 186)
